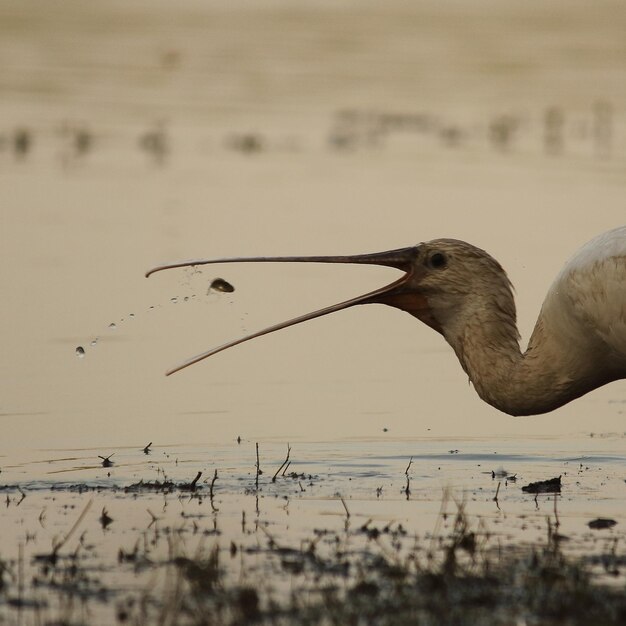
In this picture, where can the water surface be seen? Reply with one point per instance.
(134, 135)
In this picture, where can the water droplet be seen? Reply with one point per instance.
(186, 298)
(80, 352)
(174, 299)
(94, 342)
(219, 284)
(112, 325)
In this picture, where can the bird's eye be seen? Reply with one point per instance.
(437, 260)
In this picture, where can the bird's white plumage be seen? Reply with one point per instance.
(611, 244)
(586, 304)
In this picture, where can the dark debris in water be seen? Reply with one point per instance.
(106, 460)
(553, 485)
(164, 486)
(79, 487)
(105, 519)
(601, 523)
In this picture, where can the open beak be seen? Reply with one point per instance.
(394, 294)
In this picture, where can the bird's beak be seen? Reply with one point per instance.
(397, 293)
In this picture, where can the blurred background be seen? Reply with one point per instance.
(133, 133)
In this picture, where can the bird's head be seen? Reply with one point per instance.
(445, 283)
(452, 283)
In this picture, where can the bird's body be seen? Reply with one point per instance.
(581, 330)
(579, 340)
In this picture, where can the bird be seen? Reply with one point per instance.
(578, 343)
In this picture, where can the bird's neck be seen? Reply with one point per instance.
(537, 381)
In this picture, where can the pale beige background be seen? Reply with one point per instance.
(77, 234)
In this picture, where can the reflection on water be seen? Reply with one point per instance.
(123, 523)
(589, 466)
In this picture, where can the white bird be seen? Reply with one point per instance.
(579, 340)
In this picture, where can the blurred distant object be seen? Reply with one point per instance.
(410, 122)
(595, 131)
(368, 129)
(77, 142)
(248, 143)
(22, 142)
(170, 59)
(603, 128)
(156, 143)
(352, 129)
(342, 138)
(553, 130)
(451, 135)
(502, 131)
(82, 140)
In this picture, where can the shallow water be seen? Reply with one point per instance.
(329, 488)
(136, 135)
